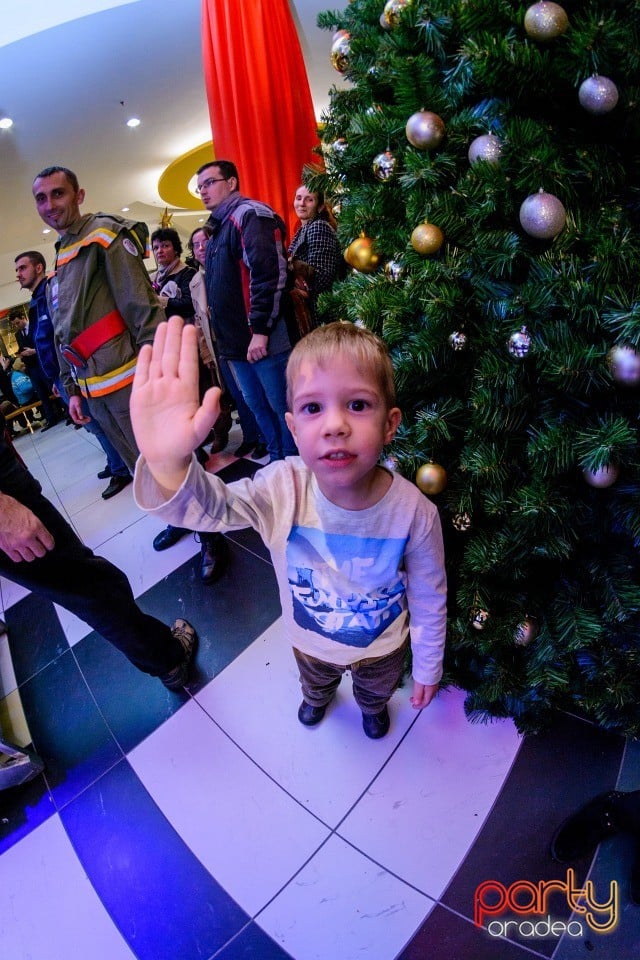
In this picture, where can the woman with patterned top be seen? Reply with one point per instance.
(314, 253)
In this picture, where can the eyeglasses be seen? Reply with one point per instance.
(207, 183)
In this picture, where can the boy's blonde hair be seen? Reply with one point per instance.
(367, 352)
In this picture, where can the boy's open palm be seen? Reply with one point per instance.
(167, 418)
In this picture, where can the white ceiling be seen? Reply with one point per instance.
(71, 86)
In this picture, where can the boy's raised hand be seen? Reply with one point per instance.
(167, 418)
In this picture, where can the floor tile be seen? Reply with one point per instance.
(98, 523)
(68, 731)
(160, 897)
(36, 637)
(446, 936)
(249, 834)
(48, 908)
(252, 943)
(22, 810)
(415, 819)
(327, 767)
(343, 906)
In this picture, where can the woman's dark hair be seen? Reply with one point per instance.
(204, 228)
(325, 213)
(169, 234)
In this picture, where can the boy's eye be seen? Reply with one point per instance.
(311, 407)
(358, 405)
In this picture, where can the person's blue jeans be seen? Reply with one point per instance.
(264, 388)
(115, 463)
(248, 425)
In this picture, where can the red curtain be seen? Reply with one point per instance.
(260, 104)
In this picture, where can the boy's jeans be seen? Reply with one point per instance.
(374, 680)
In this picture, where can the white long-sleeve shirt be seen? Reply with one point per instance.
(353, 583)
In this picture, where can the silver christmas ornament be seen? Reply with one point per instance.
(598, 95)
(624, 364)
(479, 618)
(461, 522)
(384, 166)
(339, 146)
(458, 340)
(391, 463)
(542, 215)
(341, 51)
(526, 632)
(394, 270)
(425, 130)
(604, 477)
(519, 343)
(487, 147)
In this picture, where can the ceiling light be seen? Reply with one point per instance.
(124, 209)
(46, 230)
(6, 123)
(133, 122)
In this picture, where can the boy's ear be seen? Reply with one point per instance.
(393, 422)
(290, 423)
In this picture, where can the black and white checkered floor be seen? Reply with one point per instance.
(212, 824)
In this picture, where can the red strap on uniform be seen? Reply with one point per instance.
(107, 327)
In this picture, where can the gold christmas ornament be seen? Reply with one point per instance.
(624, 363)
(431, 478)
(526, 632)
(384, 166)
(542, 215)
(598, 95)
(341, 51)
(479, 618)
(383, 22)
(427, 239)
(361, 256)
(393, 11)
(425, 130)
(545, 21)
(487, 147)
(603, 477)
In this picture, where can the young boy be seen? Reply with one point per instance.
(357, 550)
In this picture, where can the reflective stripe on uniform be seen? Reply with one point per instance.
(108, 382)
(101, 236)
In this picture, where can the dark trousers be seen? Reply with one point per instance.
(374, 679)
(50, 407)
(96, 591)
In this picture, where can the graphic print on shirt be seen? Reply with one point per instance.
(346, 588)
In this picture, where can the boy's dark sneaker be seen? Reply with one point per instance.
(580, 834)
(376, 725)
(183, 631)
(310, 715)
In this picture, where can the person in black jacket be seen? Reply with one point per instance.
(24, 331)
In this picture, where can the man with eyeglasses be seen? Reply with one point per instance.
(245, 276)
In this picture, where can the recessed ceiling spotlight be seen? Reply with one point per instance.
(6, 123)
(201, 220)
(133, 122)
(46, 230)
(125, 209)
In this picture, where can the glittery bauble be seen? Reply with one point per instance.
(339, 146)
(360, 255)
(341, 51)
(458, 340)
(384, 166)
(487, 147)
(526, 632)
(338, 34)
(519, 343)
(598, 95)
(461, 522)
(425, 130)
(427, 238)
(479, 618)
(624, 364)
(545, 21)
(383, 22)
(543, 216)
(391, 463)
(603, 477)
(394, 270)
(393, 11)
(431, 478)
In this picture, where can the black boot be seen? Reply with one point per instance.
(580, 834)
(214, 556)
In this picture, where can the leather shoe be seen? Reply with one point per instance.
(104, 474)
(310, 715)
(259, 451)
(168, 537)
(214, 555)
(376, 725)
(116, 484)
(580, 834)
(245, 448)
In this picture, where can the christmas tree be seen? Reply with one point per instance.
(484, 160)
